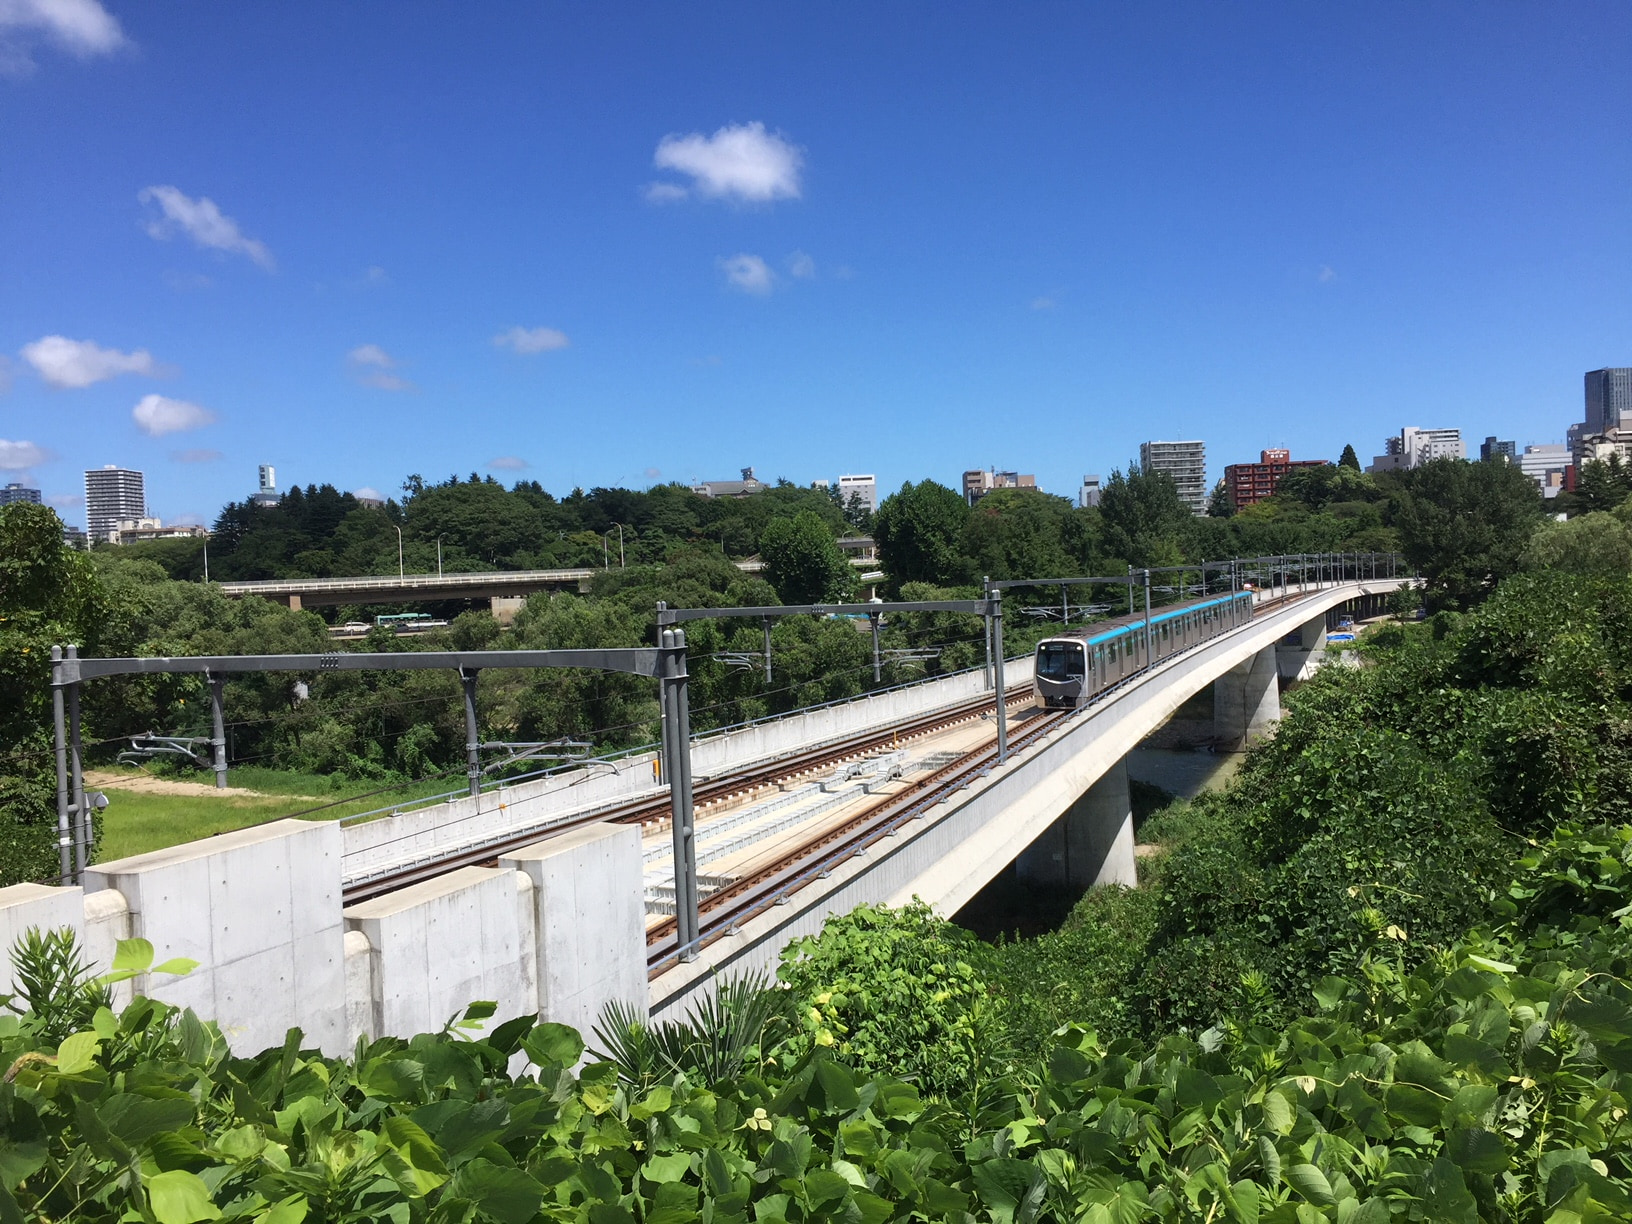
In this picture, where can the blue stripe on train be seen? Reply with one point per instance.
(1154, 620)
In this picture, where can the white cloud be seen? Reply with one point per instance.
(528, 340)
(742, 162)
(801, 266)
(369, 493)
(16, 456)
(653, 473)
(65, 501)
(1326, 275)
(749, 273)
(508, 463)
(157, 415)
(196, 456)
(373, 367)
(201, 221)
(664, 193)
(79, 363)
(80, 27)
(1043, 303)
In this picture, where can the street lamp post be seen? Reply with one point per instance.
(206, 557)
(619, 526)
(439, 555)
(399, 552)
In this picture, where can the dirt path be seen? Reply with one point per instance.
(147, 784)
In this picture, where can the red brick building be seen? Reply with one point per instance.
(1246, 483)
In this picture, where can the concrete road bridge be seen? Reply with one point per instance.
(503, 587)
(554, 895)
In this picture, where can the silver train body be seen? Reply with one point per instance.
(1073, 667)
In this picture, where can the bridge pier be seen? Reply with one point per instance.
(1299, 661)
(1247, 700)
(505, 607)
(293, 601)
(1091, 844)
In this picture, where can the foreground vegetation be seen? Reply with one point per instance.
(1490, 1082)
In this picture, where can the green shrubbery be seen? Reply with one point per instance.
(1488, 1083)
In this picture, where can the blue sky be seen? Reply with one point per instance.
(615, 244)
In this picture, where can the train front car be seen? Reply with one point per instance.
(1060, 680)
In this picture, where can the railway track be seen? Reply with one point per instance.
(705, 793)
(725, 910)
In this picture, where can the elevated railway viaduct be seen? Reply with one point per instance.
(549, 896)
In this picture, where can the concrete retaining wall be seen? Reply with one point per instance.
(556, 931)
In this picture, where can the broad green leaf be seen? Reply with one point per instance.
(132, 956)
(291, 1210)
(1243, 1201)
(499, 1192)
(180, 966)
(670, 1168)
(77, 1053)
(1310, 1182)
(1278, 1113)
(180, 1197)
(1477, 1150)
(553, 1043)
(135, 1119)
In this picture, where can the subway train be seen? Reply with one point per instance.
(1072, 667)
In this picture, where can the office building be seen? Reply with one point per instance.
(73, 537)
(1088, 495)
(1415, 447)
(746, 487)
(1609, 400)
(1246, 483)
(976, 484)
(267, 493)
(862, 489)
(18, 493)
(112, 495)
(1185, 463)
(1494, 448)
(1546, 465)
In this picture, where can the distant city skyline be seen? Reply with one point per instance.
(617, 246)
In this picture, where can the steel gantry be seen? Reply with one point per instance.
(666, 662)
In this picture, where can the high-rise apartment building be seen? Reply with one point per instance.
(1494, 448)
(976, 484)
(1246, 483)
(18, 493)
(863, 489)
(1186, 463)
(112, 494)
(1088, 495)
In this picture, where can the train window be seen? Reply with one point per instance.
(1060, 661)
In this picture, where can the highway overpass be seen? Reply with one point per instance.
(495, 585)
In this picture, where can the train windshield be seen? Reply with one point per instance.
(1060, 661)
